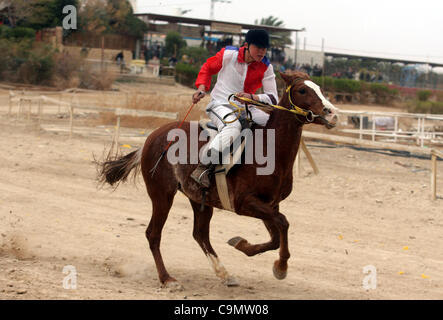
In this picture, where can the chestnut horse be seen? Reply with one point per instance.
(252, 195)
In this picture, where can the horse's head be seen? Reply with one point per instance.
(301, 92)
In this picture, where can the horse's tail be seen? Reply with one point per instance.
(117, 169)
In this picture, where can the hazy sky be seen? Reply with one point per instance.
(388, 28)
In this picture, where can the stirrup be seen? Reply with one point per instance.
(201, 175)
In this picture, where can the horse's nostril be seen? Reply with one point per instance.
(327, 110)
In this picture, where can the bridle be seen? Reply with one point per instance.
(308, 115)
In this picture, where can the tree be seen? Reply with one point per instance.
(277, 39)
(173, 43)
(17, 11)
(198, 54)
(112, 16)
(92, 18)
(40, 14)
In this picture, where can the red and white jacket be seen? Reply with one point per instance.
(235, 75)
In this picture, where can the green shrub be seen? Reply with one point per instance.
(17, 33)
(340, 85)
(164, 62)
(423, 95)
(173, 43)
(198, 55)
(186, 69)
(39, 65)
(186, 75)
(419, 107)
(426, 107)
(26, 61)
(14, 54)
(379, 89)
(3, 30)
(437, 107)
(383, 94)
(326, 83)
(347, 85)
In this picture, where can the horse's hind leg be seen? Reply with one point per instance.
(161, 204)
(202, 220)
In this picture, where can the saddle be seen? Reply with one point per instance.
(229, 160)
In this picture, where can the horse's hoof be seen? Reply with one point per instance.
(235, 241)
(231, 282)
(278, 273)
(173, 286)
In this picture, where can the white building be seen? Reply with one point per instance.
(305, 57)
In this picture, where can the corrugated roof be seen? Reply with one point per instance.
(391, 60)
(206, 22)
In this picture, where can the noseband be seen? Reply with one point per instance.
(309, 116)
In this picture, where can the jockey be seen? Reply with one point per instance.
(241, 71)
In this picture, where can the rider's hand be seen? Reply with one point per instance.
(197, 96)
(245, 95)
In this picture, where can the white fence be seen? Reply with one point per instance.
(24, 104)
(420, 129)
(393, 132)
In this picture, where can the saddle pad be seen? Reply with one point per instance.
(223, 169)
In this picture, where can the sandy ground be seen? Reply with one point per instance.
(363, 209)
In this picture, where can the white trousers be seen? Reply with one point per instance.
(228, 132)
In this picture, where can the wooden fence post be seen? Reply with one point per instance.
(19, 108)
(71, 120)
(117, 131)
(297, 165)
(10, 106)
(28, 117)
(373, 127)
(433, 175)
(361, 127)
(40, 111)
(309, 156)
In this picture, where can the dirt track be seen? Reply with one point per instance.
(362, 209)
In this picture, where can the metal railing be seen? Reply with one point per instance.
(419, 128)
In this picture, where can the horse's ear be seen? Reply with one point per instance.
(286, 77)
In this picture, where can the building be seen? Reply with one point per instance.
(211, 33)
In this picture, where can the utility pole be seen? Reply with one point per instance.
(324, 61)
(212, 6)
(296, 46)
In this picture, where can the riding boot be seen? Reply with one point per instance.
(201, 174)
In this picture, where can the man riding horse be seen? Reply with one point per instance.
(241, 70)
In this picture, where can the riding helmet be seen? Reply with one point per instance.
(259, 37)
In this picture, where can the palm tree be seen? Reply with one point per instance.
(277, 39)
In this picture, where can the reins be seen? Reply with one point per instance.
(308, 114)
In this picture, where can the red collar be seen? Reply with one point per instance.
(241, 56)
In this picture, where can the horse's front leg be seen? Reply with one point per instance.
(249, 249)
(252, 206)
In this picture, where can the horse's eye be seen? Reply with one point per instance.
(302, 91)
